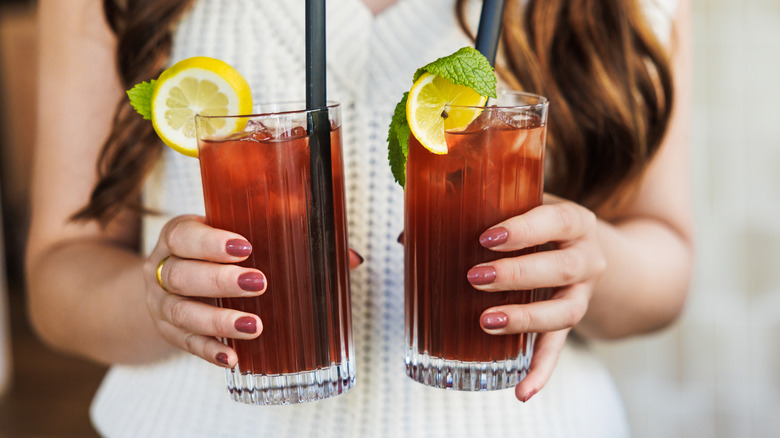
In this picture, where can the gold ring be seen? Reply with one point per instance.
(159, 273)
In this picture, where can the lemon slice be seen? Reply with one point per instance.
(429, 114)
(198, 85)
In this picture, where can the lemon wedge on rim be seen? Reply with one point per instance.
(429, 114)
(198, 85)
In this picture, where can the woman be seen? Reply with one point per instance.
(618, 212)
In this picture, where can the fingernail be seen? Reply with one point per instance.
(528, 396)
(251, 282)
(246, 324)
(238, 247)
(401, 238)
(360, 257)
(479, 275)
(223, 359)
(494, 237)
(494, 320)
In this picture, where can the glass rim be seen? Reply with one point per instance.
(542, 102)
(303, 110)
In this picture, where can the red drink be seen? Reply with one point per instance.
(493, 171)
(257, 184)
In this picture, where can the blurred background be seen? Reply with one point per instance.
(42, 393)
(716, 373)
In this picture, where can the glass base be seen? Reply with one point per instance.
(466, 376)
(285, 389)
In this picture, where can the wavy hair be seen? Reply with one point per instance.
(610, 87)
(143, 33)
(604, 70)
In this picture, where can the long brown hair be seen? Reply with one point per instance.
(609, 84)
(143, 32)
(602, 67)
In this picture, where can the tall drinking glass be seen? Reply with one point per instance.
(493, 171)
(256, 182)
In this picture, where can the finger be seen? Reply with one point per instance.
(197, 278)
(530, 271)
(547, 349)
(190, 238)
(203, 319)
(355, 259)
(563, 310)
(205, 347)
(555, 222)
(549, 198)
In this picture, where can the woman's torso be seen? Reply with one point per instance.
(371, 61)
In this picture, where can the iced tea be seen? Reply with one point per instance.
(257, 184)
(493, 171)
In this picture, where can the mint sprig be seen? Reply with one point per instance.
(141, 98)
(398, 141)
(467, 67)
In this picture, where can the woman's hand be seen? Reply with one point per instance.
(196, 261)
(572, 270)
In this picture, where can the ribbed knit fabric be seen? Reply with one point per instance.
(370, 64)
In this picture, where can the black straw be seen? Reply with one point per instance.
(489, 29)
(315, 54)
(322, 238)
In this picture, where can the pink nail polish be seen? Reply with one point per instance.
(246, 324)
(223, 359)
(251, 281)
(238, 247)
(529, 395)
(495, 320)
(494, 237)
(479, 275)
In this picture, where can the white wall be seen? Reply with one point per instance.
(717, 373)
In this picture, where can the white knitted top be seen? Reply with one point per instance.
(370, 64)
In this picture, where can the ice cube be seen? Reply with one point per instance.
(504, 120)
(519, 140)
(527, 120)
(277, 125)
(294, 133)
(535, 143)
(257, 131)
(481, 122)
(494, 118)
(254, 125)
(507, 119)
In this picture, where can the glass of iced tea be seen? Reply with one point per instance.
(493, 171)
(256, 182)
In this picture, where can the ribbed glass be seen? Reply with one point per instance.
(493, 171)
(257, 183)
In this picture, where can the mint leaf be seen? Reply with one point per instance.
(141, 98)
(465, 67)
(398, 141)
